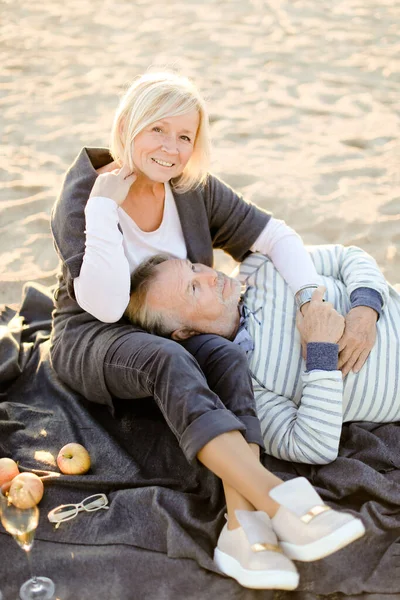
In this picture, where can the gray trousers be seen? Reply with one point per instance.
(202, 387)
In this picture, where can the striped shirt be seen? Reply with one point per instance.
(302, 412)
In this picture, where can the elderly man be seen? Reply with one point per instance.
(302, 396)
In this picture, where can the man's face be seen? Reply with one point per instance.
(201, 299)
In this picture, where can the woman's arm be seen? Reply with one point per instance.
(102, 288)
(239, 227)
(68, 213)
(285, 248)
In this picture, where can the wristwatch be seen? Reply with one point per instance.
(304, 294)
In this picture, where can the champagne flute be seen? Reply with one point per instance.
(21, 523)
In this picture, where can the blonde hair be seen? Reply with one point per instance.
(152, 97)
(138, 310)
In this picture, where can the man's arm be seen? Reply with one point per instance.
(368, 292)
(364, 281)
(309, 432)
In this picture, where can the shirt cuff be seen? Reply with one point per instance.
(364, 296)
(322, 356)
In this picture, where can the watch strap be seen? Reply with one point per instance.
(304, 294)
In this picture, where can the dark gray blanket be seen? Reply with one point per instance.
(157, 539)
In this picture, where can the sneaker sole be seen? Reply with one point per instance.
(327, 545)
(258, 580)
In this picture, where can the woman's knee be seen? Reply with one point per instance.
(147, 361)
(171, 356)
(211, 349)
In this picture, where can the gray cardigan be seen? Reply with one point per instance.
(212, 216)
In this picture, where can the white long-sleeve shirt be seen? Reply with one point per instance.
(115, 246)
(302, 412)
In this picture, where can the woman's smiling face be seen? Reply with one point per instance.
(163, 148)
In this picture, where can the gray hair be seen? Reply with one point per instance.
(138, 311)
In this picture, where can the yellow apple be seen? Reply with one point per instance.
(8, 470)
(73, 459)
(26, 490)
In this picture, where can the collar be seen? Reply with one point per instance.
(243, 338)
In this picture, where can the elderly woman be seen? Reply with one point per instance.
(152, 192)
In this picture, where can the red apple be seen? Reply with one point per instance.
(8, 470)
(26, 490)
(73, 459)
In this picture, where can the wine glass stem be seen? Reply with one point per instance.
(29, 558)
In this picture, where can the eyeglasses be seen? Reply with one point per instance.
(66, 512)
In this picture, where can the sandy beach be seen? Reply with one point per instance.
(304, 99)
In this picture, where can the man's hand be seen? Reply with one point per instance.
(303, 309)
(114, 185)
(358, 338)
(321, 322)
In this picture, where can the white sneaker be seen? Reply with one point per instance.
(251, 554)
(307, 528)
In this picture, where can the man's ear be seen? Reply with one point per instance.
(183, 333)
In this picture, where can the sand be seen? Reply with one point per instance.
(304, 99)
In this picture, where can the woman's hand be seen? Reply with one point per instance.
(358, 338)
(114, 185)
